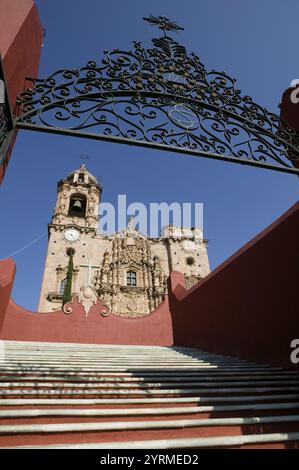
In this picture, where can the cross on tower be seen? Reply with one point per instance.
(90, 267)
(84, 158)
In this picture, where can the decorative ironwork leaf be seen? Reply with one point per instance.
(170, 47)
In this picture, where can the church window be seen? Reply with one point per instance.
(62, 286)
(190, 261)
(131, 278)
(81, 178)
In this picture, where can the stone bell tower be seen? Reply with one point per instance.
(74, 224)
(78, 200)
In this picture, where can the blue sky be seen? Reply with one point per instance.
(255, 42)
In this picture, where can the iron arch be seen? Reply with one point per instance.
(160, 97)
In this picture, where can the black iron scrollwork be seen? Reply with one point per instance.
(4, 123)
(164, 98)
(6, 119)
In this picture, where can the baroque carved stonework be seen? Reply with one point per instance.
(87, 298)
(190, 281)
(131, 253)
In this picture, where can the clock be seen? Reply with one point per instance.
(71, 235)
(189, 245)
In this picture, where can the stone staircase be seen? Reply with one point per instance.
(57, 395)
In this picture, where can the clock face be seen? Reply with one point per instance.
(189, 245)
(71, 235)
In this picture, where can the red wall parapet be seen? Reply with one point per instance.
(249, 306)
(7, 275)
(20, 46)
(17, 323)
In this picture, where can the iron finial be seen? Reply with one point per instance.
(163, 23)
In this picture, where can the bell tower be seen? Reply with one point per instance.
(78, 200)
(74, 225)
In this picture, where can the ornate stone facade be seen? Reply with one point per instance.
(144, 289)
(126, 270)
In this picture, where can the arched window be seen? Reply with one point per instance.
(81, 178)
(131, 278)
(62, 286)
(77, 205)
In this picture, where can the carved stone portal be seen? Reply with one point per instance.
(130, 255)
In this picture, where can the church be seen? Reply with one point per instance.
(127, 270)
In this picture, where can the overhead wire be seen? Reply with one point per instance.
(24, 247)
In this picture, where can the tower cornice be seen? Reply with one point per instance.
(64, 226)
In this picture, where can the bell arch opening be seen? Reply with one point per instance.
(77, 207)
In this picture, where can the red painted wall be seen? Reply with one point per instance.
(20, 46)
(249, 306)
(7, 275)
(20, 324)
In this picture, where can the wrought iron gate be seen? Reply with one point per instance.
(160, 97)
(6, 118)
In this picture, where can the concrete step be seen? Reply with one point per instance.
(150, 391)
(113, 433)
(138, 401)
(98, 375)
(141, 369)
(124, 430)
(196, 443)
(103, 412)
(154, 378)
(94, 395)
(129, 425)
(145, 385)
(120, 354)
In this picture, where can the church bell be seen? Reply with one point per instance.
(77, 206)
